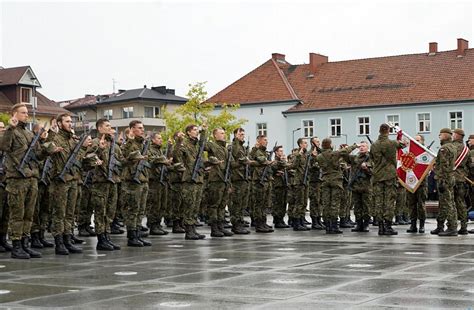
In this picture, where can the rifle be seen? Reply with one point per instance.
(358, 174)
(370, 140)
(198, 162)
(142, 164)
(45, 173)
(164, 169)
(247, 166)
(306, 167)
(29, 154)
(431, 144)
(285, 178)
(267, 167)
(227, 164)
(72, 160)
(113, 162)
(88, 179)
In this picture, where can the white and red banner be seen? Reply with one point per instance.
(414, 162)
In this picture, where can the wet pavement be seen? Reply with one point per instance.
(283, 270)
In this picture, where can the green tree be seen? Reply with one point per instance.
(198, 111)
(4, 117)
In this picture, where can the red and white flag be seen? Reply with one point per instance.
(414, 162)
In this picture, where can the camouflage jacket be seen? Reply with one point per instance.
(259, 155)
(462, 171)
(239, 155)
(360, 178)
(383, 155)
(329, 162)
(15, 142)
(132, 150)
(186, 154)
(157, 159)
(314, 170)
(218, 150)
(100, 173)
(278, 172)
(298, 165)
(471, 167)
(444, 167)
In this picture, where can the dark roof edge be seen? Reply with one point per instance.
(140, 99)
(260, 102)
(381, 106)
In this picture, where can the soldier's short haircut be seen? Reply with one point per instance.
(175, 135)
(126, 131)
(36, 127)
(259, 137)
(100, 122)
(299, 141)
(421, 137)
(326, 144)
(216, 129)
(15, 107)
(240, 129)
(276, 148)
(154, 134)
(363, 141)
(189, 128)
(62, 116)
(384, 129)
(134, 123)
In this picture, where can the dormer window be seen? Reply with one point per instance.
(26, 95)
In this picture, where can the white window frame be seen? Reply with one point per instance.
(107, 116)
(330, 127)
(31, 95)
(155, 115)
(418, 122)
(81, 115)
(258, 129)
(358, 125)
(392, 130)
(128, 112)
(303, 127)
(449, 118)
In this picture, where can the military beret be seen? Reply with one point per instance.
(459, 131)
(471, 136)
(446, 130)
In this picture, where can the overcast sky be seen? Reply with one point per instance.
(77, 48)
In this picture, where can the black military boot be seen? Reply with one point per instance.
(221, 227)
(239, 229)
(140, 238)
(264, 223)
(303, 223)
(4, 243)
(316, 223)
(201, 236)
(375, 222)
(413, 228)
(2, 249)
(91, 231)
(335, 229)
(421, 230)
(67, 238)
(450, 232)
(215, 232)
(190, 235)
(365, 225)
(438, 229)
(44, 242)
(157, 230)
(25, 243)
(358, 227)
(60, 249)
(389, 230)
(75, 240)
(115, 228)
(109, 241)
(381, 227)
(18, 251)
(35, 241)
(133, 238)
(343, 223)
(82, 231)
(297, 224)
(463, 229)
(177, 229)
(405, 220)
(279, 223)
(102, 244)
(260, 228)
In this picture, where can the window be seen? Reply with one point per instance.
(127, 112)
(395, 120)
(152, 112)
(26, 95)
(81, 115)
(108, 114)
(424, 122)
(262, 129)
(308, 128)
(455, 119)
(335, 124)
(364, 125)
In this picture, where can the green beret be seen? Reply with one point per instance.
(459, 131)
(446, 130)
(471, 136)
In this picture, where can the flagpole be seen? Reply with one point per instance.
(397, 129)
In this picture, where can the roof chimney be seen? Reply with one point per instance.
(316, 60)
(278, 57)
(463, 45)
(433, 48)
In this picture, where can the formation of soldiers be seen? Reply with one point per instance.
(53, 180)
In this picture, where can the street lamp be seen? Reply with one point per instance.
(294, 130)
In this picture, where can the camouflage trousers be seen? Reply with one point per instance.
(4, 211)
(280, 197)
(135, 203)
(42, 214)
(239, 199)
(63, 206)
(174, 202)
(447, 210)
(297, 200)
(218, 196)
(362, 201)
(401, 200)
(416, 203)
(188, 200)
(331, 195)
(346, 203)
(103, 201)
(157, 203)
(22, 195)
(204, 200)
(460, 192)
(315, 208)
(384, 195)
(260, 200)
(85, 210)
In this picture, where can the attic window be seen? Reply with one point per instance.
(281, 61)
(370, 76)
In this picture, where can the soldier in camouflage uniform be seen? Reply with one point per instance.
(174, 176)
(22, 188)
(346, 200)
(4, 212)
(360, 186)
(157, 200)
(471, 175)
(135, 183)
(280, 187)
(416, 201)
(444, 175)
(314, 188)
(240, 176)
(461, 188)
(383, 155)
(329, 162)
(84, 207)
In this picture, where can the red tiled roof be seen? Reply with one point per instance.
(393, 80)
(264, 84)
(11, 76)
(47, 106)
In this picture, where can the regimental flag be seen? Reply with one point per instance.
(414, 162)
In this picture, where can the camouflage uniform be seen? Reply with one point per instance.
(280, 196)
(346, 199)
(4, 210)
(84, 207)
(298, 197)
(314, 191)
(460, 187)
(361, 189)
(416, 206)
